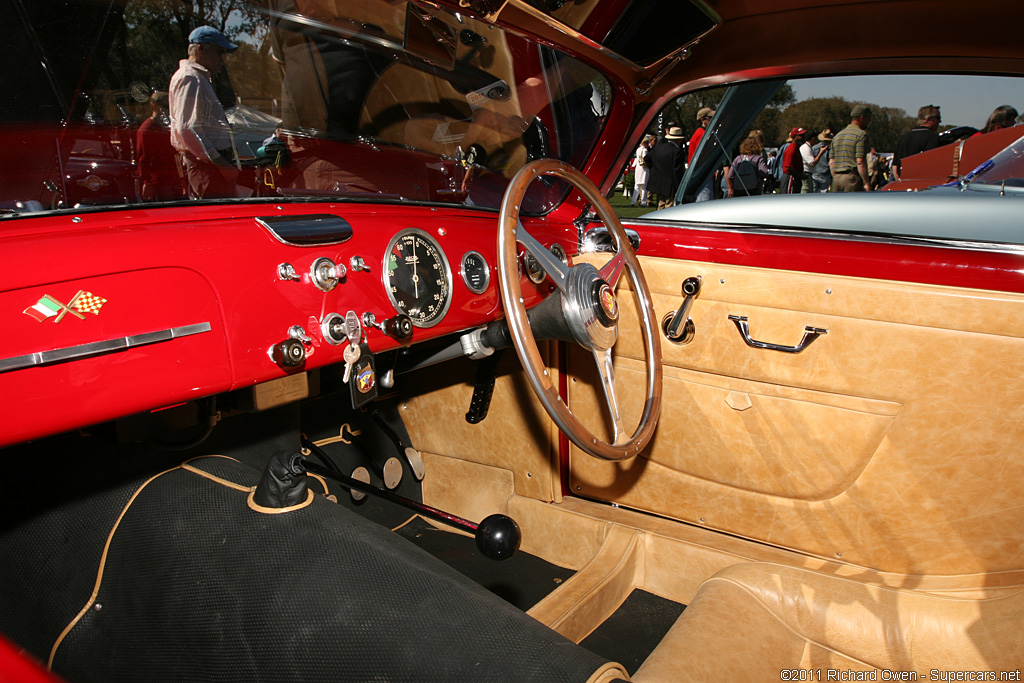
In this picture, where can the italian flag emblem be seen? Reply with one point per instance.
(45, 308)
(48, 307)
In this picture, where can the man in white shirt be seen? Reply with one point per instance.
(199, 128)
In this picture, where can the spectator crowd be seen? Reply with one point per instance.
(809, 161)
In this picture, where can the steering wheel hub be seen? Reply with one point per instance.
(584, 305)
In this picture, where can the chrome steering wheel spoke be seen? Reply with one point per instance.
(612, 271)
(606, 371)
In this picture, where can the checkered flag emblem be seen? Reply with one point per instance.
(87, 302)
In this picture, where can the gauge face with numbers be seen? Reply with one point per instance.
(476, 274)
(417, 277)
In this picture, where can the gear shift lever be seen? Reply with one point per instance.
(497, 536)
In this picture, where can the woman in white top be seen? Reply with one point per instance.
(640, 173)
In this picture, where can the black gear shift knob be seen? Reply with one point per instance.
(498, 537)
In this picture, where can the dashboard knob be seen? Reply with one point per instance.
(398, 327)
(289, 353)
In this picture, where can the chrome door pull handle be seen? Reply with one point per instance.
(810, 334)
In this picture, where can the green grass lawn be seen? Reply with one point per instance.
(622, 208)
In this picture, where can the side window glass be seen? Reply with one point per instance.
(773, 138)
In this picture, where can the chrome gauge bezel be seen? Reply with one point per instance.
(465, 277)
(534, 270)
(532, 267)
(446, 295)
(559, 251)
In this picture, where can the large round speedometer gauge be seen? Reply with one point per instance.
(417, 277)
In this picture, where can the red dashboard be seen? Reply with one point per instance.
(114, 313)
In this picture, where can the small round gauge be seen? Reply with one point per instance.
(475, 272)
(534, 270)
(559, 253)
(417, 277)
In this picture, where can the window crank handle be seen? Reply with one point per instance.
(677, 326)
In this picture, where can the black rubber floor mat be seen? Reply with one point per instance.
(630, 634)
(521, 580)
(198, 586)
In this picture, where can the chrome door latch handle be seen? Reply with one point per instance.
(677, 326)
(810, 334)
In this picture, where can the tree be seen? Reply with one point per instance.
(157, 35)
(768, 121)
(817, 114)
(682, 111)
(833, 113)
(784, 97)
(887, 125)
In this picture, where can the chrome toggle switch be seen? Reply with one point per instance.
(286, 271)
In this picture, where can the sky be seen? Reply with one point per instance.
(963, 100)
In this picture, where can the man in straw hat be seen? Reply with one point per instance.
(812, 152)
(793, 162)
(819, 176)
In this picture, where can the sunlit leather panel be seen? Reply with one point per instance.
(907, 474)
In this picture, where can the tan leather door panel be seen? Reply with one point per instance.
(885, 443)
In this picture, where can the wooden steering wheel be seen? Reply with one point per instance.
(590, 312)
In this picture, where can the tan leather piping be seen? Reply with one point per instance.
(408, 521)
(99, 574)
(230, 484)
(609, 672)
(323, 482)
(278, 511)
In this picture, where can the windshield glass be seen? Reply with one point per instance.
(143, 101)
(1005, 169)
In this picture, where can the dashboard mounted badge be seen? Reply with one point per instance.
(49, 307)
(363, 382)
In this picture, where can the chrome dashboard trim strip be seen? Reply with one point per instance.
(100, 348)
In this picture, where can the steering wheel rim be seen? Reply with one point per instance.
(590, 309)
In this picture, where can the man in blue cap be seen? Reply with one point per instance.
(199, 128)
